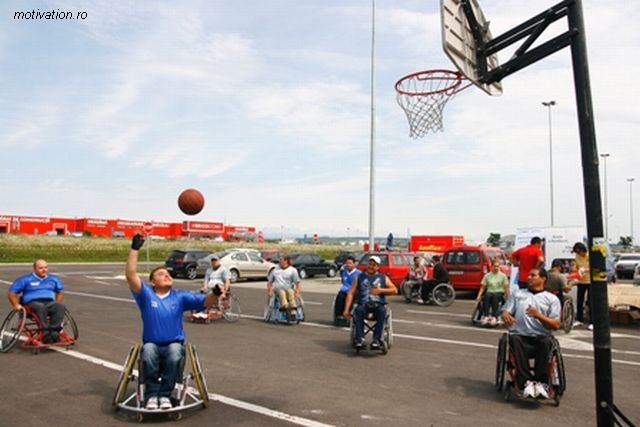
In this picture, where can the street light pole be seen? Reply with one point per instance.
(549, 105)
(606, 200)
(630, 180)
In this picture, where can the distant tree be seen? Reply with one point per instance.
(493, 239)
(626, 241)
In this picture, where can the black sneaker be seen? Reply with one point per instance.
(361, 343)
(46, 338)
(375, 345)
(55, 337)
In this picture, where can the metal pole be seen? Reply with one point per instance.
(606, 199)
(549, 105)
(630, 180)
(372, 157)
(593, 205)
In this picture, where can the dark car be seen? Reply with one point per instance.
(309, 265)
(184, 262)
(341, 258)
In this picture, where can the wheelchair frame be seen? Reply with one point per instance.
(26, 322)
(272, 312)
(442, 295)
(185, 397)
(477, 313)
(506, 364)
(229, 309)
(369, 326)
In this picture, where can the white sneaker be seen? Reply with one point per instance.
(485, 320)
(591, 327)
(542, 390)
(420, 301)
(152, 403)
(494, 321)
(577, 323)
(530, 390)
(165, 403)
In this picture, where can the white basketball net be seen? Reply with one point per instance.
(423, 97)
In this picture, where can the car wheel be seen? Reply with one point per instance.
(191, 272)
(235, 275)
(302, 273)
(331, 272)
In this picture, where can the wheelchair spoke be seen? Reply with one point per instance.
(11, 329)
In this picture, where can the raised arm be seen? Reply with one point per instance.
(131, 270)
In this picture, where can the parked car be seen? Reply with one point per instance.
(626, 265)
(241, 264)
(309, 265)
(341, 258)
(636, 275)
(467, 265)
(394, 264)
(272, 255)
(184, 262)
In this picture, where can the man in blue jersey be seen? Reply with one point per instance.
(347, 274)
(369, 290)
(163, 336)
(43, 293)
(531, 315)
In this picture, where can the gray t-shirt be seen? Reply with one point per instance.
(556, 282)
(283, 279)
(219, 276)
(545, 302)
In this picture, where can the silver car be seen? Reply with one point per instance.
(241, 264)
(626, 265)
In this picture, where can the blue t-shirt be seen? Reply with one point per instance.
(347, 278)
(365, 283)
(162, 316)
(33, 287)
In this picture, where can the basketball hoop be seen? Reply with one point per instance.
(423, 96)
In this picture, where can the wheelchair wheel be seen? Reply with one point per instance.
(559, 379)
(268, 309)
(125, 375)
(476, 313)
(69, 327)
(11, 329)
(443, 294)
(198, 376)
(300, 309)
(567, 314)
(230, 308)
(388, 330)
(501, 363)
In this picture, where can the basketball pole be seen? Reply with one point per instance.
(372, 156)
(605, 408)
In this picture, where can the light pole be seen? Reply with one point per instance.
(630, 180)
(606, 202)
(549, 105)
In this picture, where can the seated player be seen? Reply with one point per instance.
(416, 276)
(284, 281)
(494, 288)
(369, 290)
(440, 275)
(217, 279)
(347, 274)
(531, 315)
(43, 293)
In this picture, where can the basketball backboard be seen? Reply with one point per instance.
(460, 45)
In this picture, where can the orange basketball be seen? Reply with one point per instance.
(191, 201)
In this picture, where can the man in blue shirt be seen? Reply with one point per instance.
(369, 290)
(43, 293)
(531, 315)
(347, 274)
(163, 335)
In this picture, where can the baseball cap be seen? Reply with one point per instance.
(557, 263)
(215, 258)
(375, 258)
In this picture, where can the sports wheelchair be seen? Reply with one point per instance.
(25, 321)
(183, 396)
(369, 326)
(506, 363)
(229, 308)
(273, 312)
(478, 313)
(567, 314)
(443, 294)
(338, 320)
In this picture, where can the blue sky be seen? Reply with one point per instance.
(264, 106)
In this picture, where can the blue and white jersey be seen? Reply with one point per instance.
(545, 302)
(347, 278)
(33, 287)
(366, 283)
(162, 315)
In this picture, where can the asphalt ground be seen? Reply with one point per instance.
(439, 372)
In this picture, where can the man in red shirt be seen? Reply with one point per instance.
(526, 258)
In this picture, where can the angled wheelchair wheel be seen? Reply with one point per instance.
(476, 314)
(269, 308)
(558, 378)
(405, 290)
(198, 376)
(11, 329)
(567, 314)
(501, 362)
(125, 375)
(300, 309)
(388, 330)
(230, 308)
(444, 294)
(69, 327)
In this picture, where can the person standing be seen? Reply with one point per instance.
(526, 258)
(347, 274)
(43, 293)
(284, 281)
(493, 289)
(161, 308)
(584, 282)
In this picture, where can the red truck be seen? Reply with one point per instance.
(434, 244)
